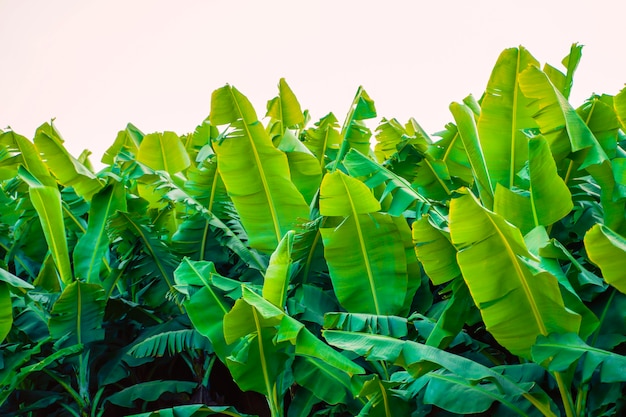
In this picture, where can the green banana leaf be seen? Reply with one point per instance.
(403, 195)
(67, 169)
(564, 130)
(77, 315)
(456, 313)
(323, 138)
(23, 153)
(324, 381)
(206, 301)
(285, 108)
(163, 152)
(516, 304)
(127, 140)
(255, 173)
(564, 82)
(450, 150)
(384, 399)
(620, 107)
(435, 251)
(91, 248)
(365, 253)
(464, 118)
(171, 342)
(7, 281)
(599, 115)
(306, 173)
(279, 272)
(354, 133)
(193, 410)
(548, 199)
(607, 249)
(558, 352)
(47, 202)
(419, 359)
(149, 391)
(503, 117)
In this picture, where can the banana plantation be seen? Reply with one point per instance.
(278, 265)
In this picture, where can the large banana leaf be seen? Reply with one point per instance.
(560, 124)
(548, 199)
(563, 82)
(77, 315)
(47, 202)
(466, 124)
(620, 107)
(365, 253)
(435, 251)
(504, 115)
(516, 304)
(419, 359)
(607, 249)
(206, 302)
(23, 153)
(559, 351)
(163, 152)
(92, 247)
(127, 140)
(255, 173)
(67, 169)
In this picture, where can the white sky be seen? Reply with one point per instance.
(94, 66)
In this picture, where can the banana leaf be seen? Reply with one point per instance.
(435, 251)
(599, 115)
(306, 173)
(563, 82)
(279, 272)
(23, 153)
(451, 151)
(77, 315)
(564, 130)
(67, 169)
(464, 118)
(620, 108)
(504, 115)
(548, 199)
(193, 410)
(354, 133)
(365, 253)
(516, 304)
(149, 391)
(255, 173)
(47, 202)
(607, 249)
(558, 352)
(419, 359)
(323, 138)
(163, 152)
(92, 247)
(127, 140)
(285, 108)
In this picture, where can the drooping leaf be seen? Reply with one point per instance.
(306, 173)
(67, 169)
(564, 130)
(559, 351)
(607, 249)
(170, 342)
(8, 280)
(194, 410)
(255, 173)
(22, 152)
(516, 304)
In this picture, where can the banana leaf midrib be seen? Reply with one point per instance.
(259, 165)
(514, 120)
(259, 329)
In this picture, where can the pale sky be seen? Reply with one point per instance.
(96, 65)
